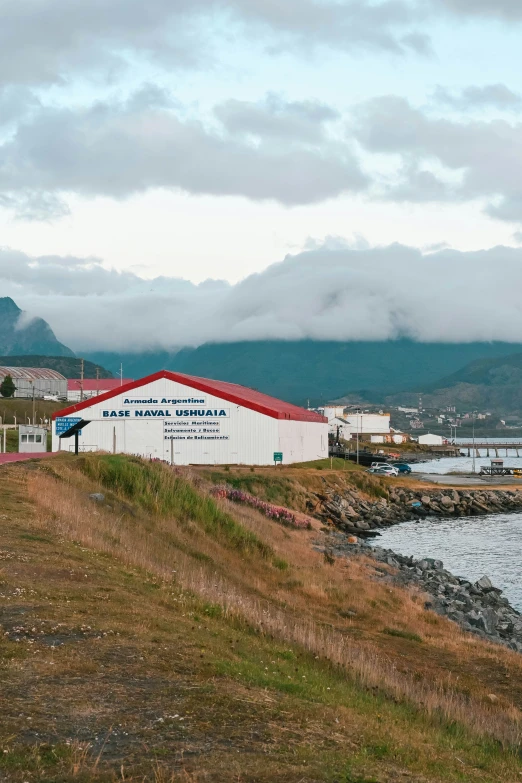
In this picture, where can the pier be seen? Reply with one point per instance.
(488, 447)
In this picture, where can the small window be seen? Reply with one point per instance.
(37, 438)
(30, 438)
(24, 438)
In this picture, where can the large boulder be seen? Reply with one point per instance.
(484, 584)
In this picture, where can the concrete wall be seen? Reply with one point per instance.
(130, 423)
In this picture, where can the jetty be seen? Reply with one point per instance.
(488, 446)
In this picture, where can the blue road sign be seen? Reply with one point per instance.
(64, 423)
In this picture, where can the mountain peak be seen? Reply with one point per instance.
(8, 306)
(35, 337)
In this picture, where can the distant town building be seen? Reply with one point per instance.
(333, 411)
(407, 410)
(417, 424)
(431, 440)
(363, 424)
(369, 423)
(394, 437)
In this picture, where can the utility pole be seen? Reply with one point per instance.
(474, 469)
(82, 368)
(121, 374)
(97, 381)
(34, 412)
(357, 425)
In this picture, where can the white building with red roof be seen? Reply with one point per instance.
(185, 420)
(78, 390)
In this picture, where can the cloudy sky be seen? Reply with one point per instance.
(159, 160)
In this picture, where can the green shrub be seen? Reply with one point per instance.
(412, 637)
(280, 564)
(159, 490)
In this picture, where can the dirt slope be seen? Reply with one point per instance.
(160, 636)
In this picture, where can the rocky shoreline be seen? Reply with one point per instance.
(478, 608)
(354, 513)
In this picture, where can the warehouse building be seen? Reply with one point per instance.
(36, 380)
(186, 420)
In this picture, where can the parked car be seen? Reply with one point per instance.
(379, 465)
(384, 470)
(402, 467)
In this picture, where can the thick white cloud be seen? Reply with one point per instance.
(333, 292)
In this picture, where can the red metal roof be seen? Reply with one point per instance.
(93, 384)
(232, 392)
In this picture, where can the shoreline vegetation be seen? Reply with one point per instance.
(154, 633)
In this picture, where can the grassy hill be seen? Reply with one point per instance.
(164, 636)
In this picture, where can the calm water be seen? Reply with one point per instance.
(468, 547)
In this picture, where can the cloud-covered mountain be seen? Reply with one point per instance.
(20, 334)
(333, 292)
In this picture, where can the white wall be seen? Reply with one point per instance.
(241, 436)
(431, 440)
(367, 423)
(302, 441)
(334, 411)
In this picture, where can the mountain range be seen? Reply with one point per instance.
(304, 370)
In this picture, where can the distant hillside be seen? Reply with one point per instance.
(319, 371)
(36, 337)
(500, 371)
(493, 384)
(66, 365)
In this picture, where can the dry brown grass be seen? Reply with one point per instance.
(299, 605)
